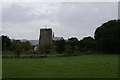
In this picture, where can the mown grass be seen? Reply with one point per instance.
(82, 66)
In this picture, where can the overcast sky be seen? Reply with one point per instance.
(67, 19)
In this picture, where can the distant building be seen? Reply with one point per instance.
(57, 38)
(47, 36)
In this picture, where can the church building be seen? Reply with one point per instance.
(47, 36)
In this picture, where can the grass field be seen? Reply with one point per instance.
(82, 66)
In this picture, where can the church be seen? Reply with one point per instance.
(47, 36)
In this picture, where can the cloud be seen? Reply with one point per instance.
(23, 20)
(81, 19)
(16, 14)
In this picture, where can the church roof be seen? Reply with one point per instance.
(57, 38)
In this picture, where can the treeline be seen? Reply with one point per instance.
(15, 46)
(71, 46)
(106, 39)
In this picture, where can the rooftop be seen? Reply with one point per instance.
(57, 38)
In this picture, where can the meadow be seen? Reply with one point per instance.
(81, 66)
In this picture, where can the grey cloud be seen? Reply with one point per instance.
(19, 13)
(81, 13)
(68, 18)
(84, 18)
(16, 14)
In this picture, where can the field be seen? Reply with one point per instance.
(82, 66)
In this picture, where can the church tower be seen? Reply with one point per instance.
(45, 36)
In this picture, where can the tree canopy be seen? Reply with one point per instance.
(60, 46)
(6, 43)
(108, 36)
(87, 44)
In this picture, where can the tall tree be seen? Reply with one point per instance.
(18, 48)
(6, 43)
(108, 36)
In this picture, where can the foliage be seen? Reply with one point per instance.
(6, 43)
(46, 48)
(14, 45)
(59, 46)
(17, 47)
(73, 39)
(71, 44)
(20, 47)
(0, 44)
(68, 49)
(26, 46)
(87, 44)
(108, 36)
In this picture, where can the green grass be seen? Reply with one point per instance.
(82, 66)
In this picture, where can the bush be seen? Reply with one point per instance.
(59, 46)
(46, 48)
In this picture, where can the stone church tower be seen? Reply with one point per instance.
(45, 36)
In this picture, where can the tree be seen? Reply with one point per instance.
(73, 39)
(0, 45)
(46, 48)
(108, 36)
(60, 46)
(87, 44)
(17, 47)
(26, 45)
(6, 43)
(71, 44)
